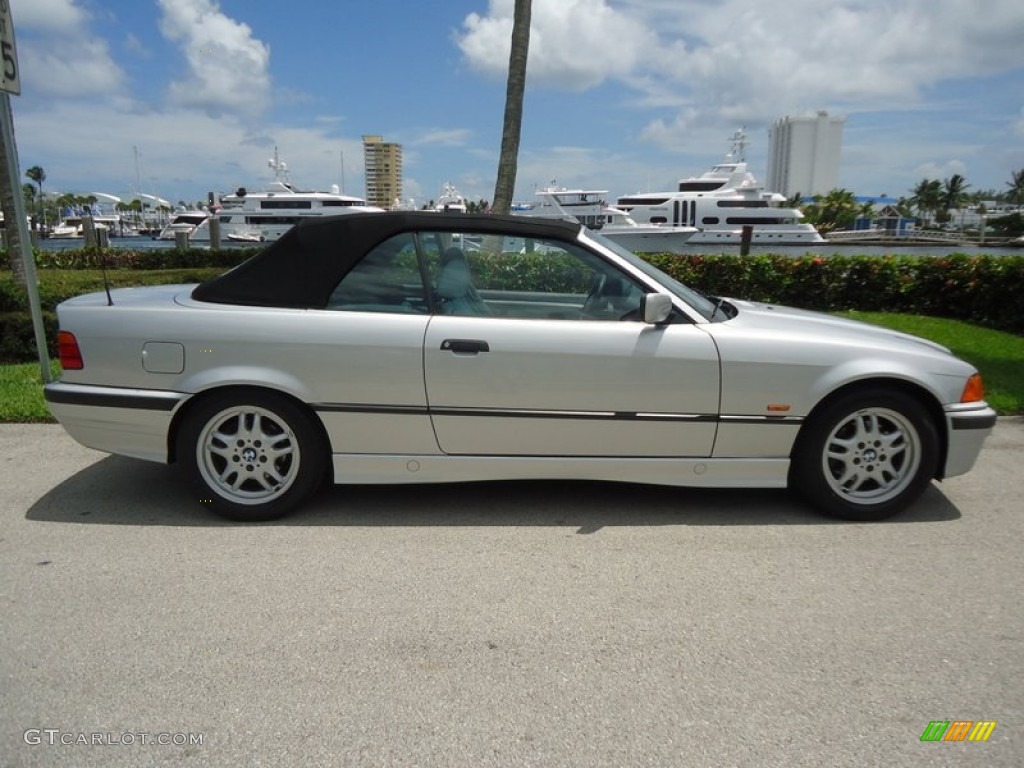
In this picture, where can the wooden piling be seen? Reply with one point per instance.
(89, 231)
(214, 223)
(745, 238)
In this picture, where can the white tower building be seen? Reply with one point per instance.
(803, 154)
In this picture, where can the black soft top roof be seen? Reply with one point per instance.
(302, 268)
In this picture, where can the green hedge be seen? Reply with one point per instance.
(126, 258)
(17, 342)
(56, 285)
(17, 337)
(984, 290)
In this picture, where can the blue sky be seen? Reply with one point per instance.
(624, 95)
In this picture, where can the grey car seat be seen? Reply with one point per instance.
(455, 286)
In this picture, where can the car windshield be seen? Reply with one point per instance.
(701, 303)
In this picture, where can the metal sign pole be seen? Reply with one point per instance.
(10, 82)
(21, 222)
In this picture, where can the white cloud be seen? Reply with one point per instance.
(575, 44)
(942, 170)
(60, 57)
(454, 137)
(733, 62)
(177, 157)
(228, 68)
(762, 60)
(48, 15)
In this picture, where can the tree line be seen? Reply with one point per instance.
(48, 211)
(931, 200)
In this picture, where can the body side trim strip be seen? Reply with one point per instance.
(114, 398)
(528, 413)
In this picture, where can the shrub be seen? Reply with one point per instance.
(143, 259)
(984, 290)
(17, 337)
(56, 285)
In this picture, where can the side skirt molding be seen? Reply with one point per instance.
(353, 469)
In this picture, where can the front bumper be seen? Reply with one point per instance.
(968, 424)
(128, 422)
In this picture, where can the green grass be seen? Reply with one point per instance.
(21, 392)
(999, 356)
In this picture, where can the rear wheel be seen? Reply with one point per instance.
(866, 456)
(253, 455)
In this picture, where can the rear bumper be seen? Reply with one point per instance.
(128, 422)
(968, 425)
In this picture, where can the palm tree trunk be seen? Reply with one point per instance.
(508, 161)
(11, 228)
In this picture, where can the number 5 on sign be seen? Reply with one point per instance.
(9, 80)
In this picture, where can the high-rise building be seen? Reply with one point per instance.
(803, 154)
(383, 162)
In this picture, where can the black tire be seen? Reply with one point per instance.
(866, 456)
(252, 455)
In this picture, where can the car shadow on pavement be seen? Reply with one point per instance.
(121, 491)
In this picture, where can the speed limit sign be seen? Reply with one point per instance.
(9, 79)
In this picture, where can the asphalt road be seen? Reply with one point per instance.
(500, 624)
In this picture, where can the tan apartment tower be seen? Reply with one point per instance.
(383, 161)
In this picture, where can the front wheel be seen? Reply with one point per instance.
(866, 456)
(253, 455)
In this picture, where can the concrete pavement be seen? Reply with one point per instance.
(501, 624)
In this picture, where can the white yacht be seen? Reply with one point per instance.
(720, 203)
(184, 221)
(265, 216)
(590, 208)
(73, 227)
(450, 201)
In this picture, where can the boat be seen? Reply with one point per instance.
(264, 216)
(188, 222)
(720, 203)
(245, 236)
(73, 227)
(450, 201)
(590, 207)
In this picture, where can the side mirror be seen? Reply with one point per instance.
(655, 308)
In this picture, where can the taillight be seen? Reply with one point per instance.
(974, 390)
(68, 352)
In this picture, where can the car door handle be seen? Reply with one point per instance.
(465, 346)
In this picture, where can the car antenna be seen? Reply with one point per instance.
(106, 280)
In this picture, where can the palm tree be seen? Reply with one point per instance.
(38, 175)
(1016, 185)
(836, 210)
(508, 161)
(954, 197)
(927, 197)
(8, 205)
(954, 192)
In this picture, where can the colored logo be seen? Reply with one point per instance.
(958, 730)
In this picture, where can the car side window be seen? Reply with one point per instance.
(387, 279)
(505, 276)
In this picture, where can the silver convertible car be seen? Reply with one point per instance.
(428, 347)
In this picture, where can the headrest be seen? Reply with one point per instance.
(454, 280)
